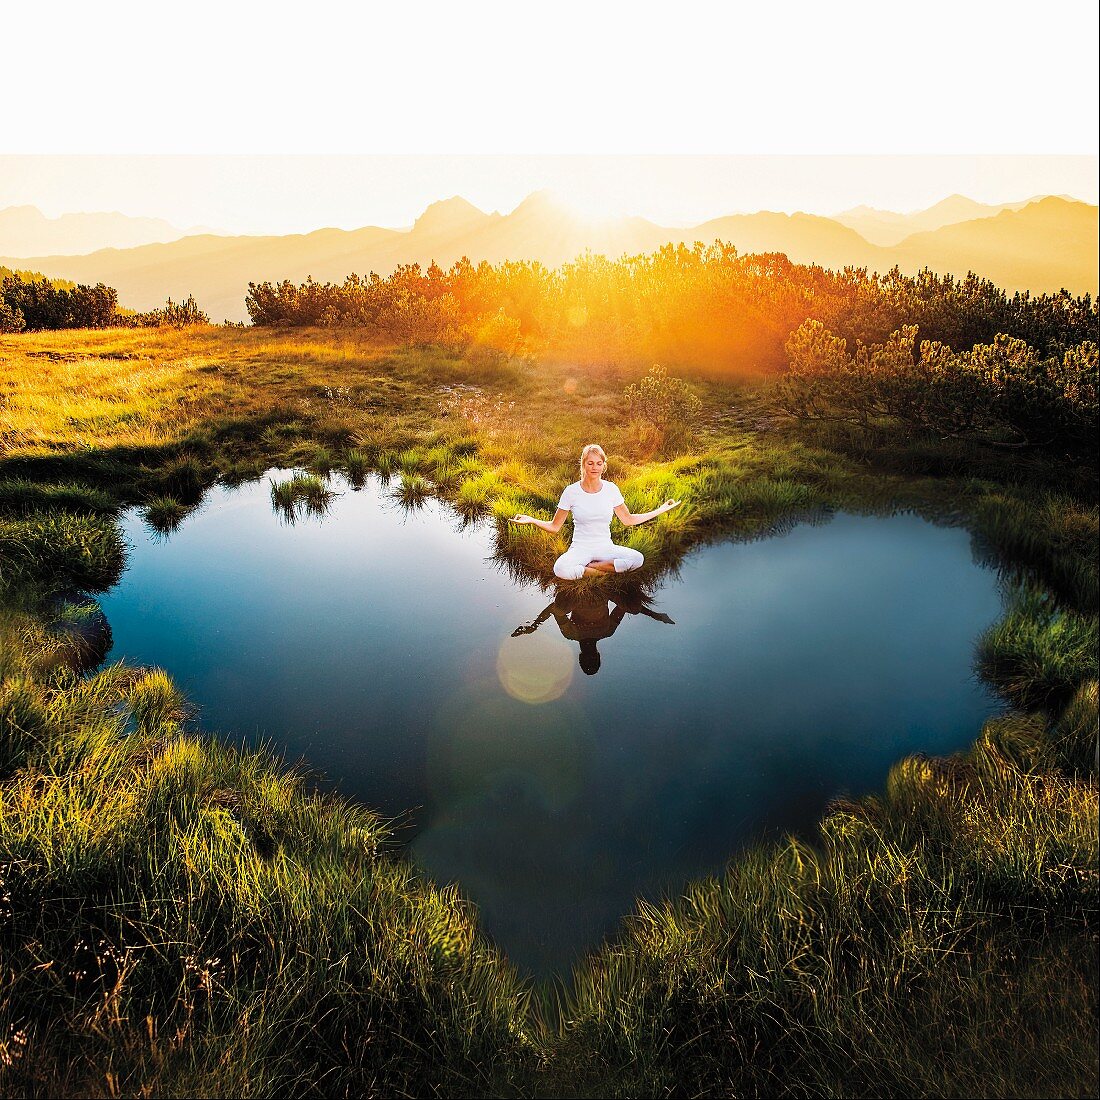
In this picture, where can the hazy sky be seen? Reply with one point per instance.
(280, 194)
(996, 99)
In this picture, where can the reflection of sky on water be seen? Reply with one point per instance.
(377, 645)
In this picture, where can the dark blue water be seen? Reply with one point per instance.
(378, 646)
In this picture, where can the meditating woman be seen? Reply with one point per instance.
(593, 501)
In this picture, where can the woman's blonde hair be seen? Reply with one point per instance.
(588, 449)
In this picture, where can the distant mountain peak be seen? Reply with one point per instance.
(544, 202)
(1053, 200)
(544, 196)
(449, 215)
(26, 231)
(956, 202)
(11, 213)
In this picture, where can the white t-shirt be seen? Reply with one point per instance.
(592, 512)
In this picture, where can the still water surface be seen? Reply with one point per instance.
(387, 650)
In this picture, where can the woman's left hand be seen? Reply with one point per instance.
(670, 504)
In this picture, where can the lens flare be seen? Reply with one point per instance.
(494, 748)
(535, 669)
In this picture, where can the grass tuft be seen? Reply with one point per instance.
(1038, 654)
(413, 489)
(165, 514)
(356, 464)
(300, 495)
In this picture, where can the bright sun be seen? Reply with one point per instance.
(591, 204)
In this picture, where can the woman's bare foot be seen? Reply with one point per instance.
(595, 568)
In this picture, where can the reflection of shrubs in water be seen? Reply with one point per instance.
(238, 473)
(59, 550)
(786, 522)
(165, 514)
(303, 494)
(184, 478)
(83, 625)
(1038, 654)
(1050, 539)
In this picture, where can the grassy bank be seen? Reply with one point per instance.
(178, 917)
(939, 941)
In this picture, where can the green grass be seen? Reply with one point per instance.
(1075, 736)
(386, 464)
(476, 494)
(413, 489)
(323, 460)
(24, 495)
(356, 465)
(185, 476)
(1039, 654)
(59, 551)
(1047, 536)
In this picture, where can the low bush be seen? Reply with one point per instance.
(1004, 393)
(668, 404)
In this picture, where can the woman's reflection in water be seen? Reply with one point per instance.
(586, 617)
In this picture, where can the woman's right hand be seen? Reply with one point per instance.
(521, 519)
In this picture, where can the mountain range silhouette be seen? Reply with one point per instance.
(1039, 245)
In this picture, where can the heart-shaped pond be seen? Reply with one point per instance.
(389, 651)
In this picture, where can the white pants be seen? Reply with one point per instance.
(570, 566)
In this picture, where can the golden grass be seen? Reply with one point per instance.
(125, 387)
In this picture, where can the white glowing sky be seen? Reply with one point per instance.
(673, 112)
(297, 194)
